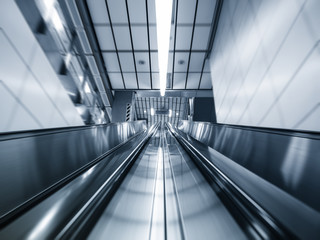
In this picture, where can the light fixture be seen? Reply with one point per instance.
(163, 16)
(152, 111)
(170, 113)
(145, 111)
(177, 114)
(87, 88)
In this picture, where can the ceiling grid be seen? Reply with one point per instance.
(129, 29)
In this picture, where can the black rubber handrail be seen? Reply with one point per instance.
(25, 206)
(4, 136)
(264, 225)
(84, 220)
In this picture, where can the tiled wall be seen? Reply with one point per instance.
(265, 64)
(31, 95)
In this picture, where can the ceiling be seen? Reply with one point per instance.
(126, 35)
(178, 107)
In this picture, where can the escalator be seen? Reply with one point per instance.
(157, 185)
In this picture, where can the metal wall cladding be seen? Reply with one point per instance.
(287, 160)
(31, 163)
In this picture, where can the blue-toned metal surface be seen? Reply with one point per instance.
(52, 218)
(297, 217)
(165, 196)
(30, 162)
(289, 160)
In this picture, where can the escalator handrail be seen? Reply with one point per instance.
(275, 228)
(26, 205)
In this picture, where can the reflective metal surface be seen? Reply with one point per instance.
(165, 196)
(287, 159)
(293, 214)
(52, 217)
(32, 162)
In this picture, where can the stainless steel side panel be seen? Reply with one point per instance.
(31, 164)
(291, 162)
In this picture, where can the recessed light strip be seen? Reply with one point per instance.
(163, 15)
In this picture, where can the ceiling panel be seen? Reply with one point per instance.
(105, 38)
(122, 36)
(186, 10)
(142, 61)
(152, 11)
(183, 38)
(116, 80)
(140, 37)
(181, 62)
(98, 11)
(144, 80)
(137, 11)
(179, 80)
(193, 80)
(206, 81)
(170, 60)
(130, 80)
(117, 10)
(155, 81)
(153, 38)
(206, 66)
(205, 11)
(111, 61)
(154, 62)
(126, 61)
(196, 62)
(200, 38)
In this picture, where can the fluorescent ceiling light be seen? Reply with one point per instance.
(152, 111)
(56, 20)
(170, 113)
(163, 15)
(87, 88)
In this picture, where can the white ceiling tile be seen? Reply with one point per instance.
(126, 61)
(186, 10)
(111, 61)
(98, 11)
(142, 56)
(152, 12)
(153, 38)
(130, 80)
(118, 12)
(92, 65)
(193, 80)
(144, 80)
(137, 11)
(171, 44)
(200, 38)
(206, 66)
(154, 62)
(116, 80)
(170, 59)
(181, 56)
(205, 11)
(155, 81)
(122, 36)
(179, 80)
(183, 38)
(196, 62)
(206, 81)
(105, 38)
(140, 37)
